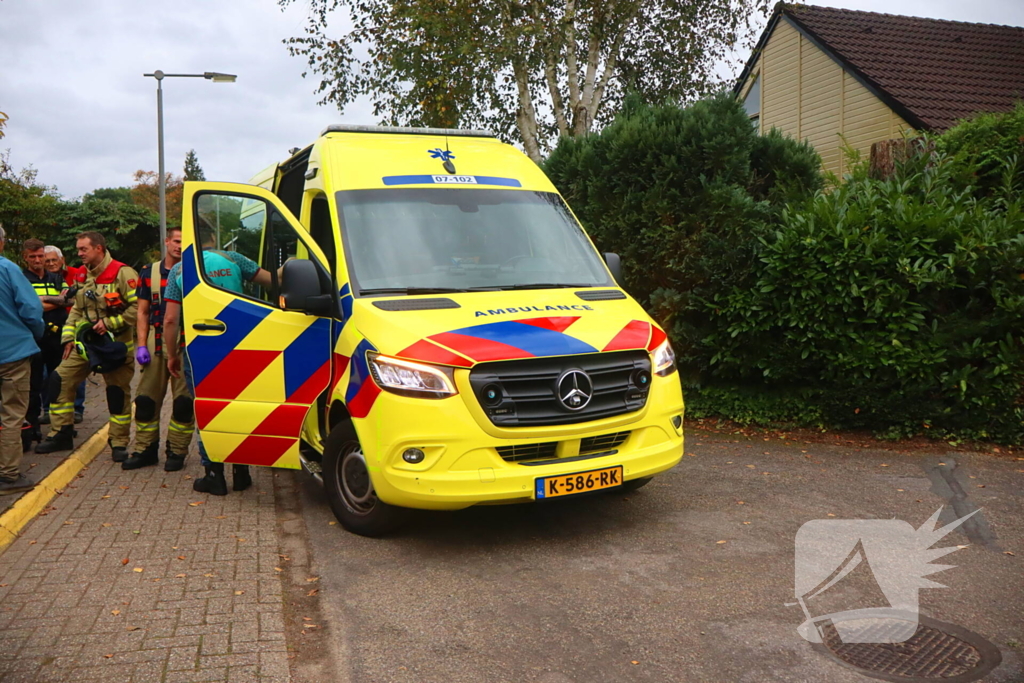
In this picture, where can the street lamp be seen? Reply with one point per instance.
(162, 183)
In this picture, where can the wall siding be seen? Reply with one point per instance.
(807, 95)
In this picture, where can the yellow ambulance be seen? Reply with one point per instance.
(439, 331)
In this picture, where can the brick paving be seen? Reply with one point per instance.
(133, 577)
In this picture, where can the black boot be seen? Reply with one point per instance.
(61, 441)
(214, 482)
(144, 459)
(240, 477)
(118, 453)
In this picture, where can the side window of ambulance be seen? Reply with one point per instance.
(233, 226)
(243, 236)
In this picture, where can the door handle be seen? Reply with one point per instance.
(214, 326)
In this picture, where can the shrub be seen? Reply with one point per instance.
(899, 303)
(682, 195)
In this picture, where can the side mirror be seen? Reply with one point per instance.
(300, 289)
(615, 266)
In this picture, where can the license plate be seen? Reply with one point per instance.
(580, 482)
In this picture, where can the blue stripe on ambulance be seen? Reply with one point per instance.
(306, 355)
(536, 340)
(206, 352)
(359, 370)
(435, 180)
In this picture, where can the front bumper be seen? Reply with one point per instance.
(462, 466)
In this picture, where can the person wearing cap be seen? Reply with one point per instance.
(101, 323)
(48, 288)
(21, 319)
(153, 383)
(72, 277)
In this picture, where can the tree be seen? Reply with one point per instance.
(27, 209)
(193, 171)
(3, 123)
(146, 193)
(132, 231)
(531, 70)
(115, 194)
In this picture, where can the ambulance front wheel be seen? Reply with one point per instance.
(350, 489)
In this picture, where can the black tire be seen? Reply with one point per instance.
(633, 485)
(350, 490)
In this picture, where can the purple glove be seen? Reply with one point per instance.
(142, 355)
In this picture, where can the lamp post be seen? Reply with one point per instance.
(162, 182)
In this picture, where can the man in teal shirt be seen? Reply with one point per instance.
(225, 270)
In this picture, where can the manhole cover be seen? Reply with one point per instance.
(935, 652)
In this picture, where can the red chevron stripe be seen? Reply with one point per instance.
(363, 401)
(233, 374)
(284, 420)
(657, 336)
(430, 352)
(313, 386)
(557, 323)
(633, 336)
(479, 349)
(340, 365)
(206, 410)
(260, 450)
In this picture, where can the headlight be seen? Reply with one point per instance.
(664, 359)
(411, 379)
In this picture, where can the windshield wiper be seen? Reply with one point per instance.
(411, 290)
(545, 285)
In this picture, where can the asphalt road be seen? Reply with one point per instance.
(640, 587)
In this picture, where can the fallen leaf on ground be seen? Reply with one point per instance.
(981, 486)
(115, 612)
(332, 522)
(283, 557)
(102, 497)
(68, 521)
(137, 569)
(124, 561)
(308, 595)
(241, 540)
(179, 576)
(719, 542)
(961, 547)
(278, 569)
(107, 656)
(133, 628)
(197, 503)
(746, 522)
(207, 575)
(312, 579)
(1010, 553)
(32, 542)
(831, 515)
(634, 662)
(181, 557)
(307, 618)
(883, 465)
(899, 489)
(106, 524)
(740, 502)
(750, 466)
(123, 488)
(239, 592)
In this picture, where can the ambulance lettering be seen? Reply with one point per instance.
(530, 309)
(223, 272)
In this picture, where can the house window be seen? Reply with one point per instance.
(752, 102)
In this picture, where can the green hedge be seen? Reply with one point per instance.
(892, 305)
(681, 195)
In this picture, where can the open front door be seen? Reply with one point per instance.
(257, 368)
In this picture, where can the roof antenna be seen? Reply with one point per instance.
(448, 165)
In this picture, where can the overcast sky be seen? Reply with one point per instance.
(83, 115)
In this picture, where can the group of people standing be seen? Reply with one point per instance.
(60, 324)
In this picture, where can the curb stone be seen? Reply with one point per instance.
(35, 501)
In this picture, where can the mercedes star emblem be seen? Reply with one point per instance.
(575, 389)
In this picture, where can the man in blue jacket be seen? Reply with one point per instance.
(21, 319)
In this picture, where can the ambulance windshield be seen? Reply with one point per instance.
(418, 240)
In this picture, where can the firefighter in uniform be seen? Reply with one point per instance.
(155, 377)
(102, 318)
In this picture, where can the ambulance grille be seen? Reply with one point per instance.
(530, 451)
(605, 442)
(529, 395)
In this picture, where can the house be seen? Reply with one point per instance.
(833, 75)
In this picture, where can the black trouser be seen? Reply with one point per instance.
(51, 351)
